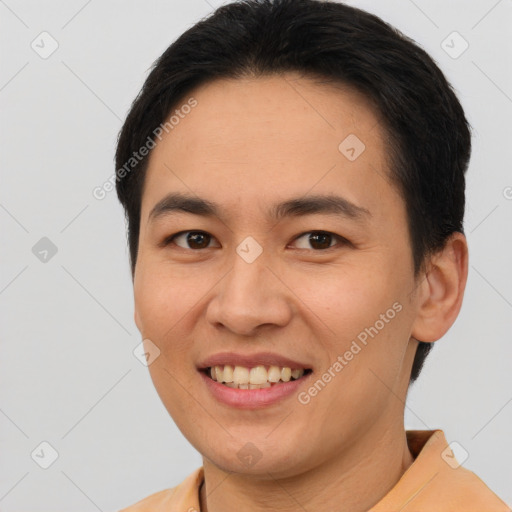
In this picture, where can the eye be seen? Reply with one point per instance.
(195, 239)
(321, 240)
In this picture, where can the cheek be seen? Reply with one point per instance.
(361, 314)
(348, 300)
(161, 301)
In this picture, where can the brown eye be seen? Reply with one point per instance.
(192, 239)
(320, 240)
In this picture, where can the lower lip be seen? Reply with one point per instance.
(252, 398)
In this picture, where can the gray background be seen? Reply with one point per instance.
(67, 369)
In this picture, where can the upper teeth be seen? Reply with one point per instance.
(255, 375)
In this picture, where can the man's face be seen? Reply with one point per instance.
(342, 295)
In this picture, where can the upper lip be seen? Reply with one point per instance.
(250, 360)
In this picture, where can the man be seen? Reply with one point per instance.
(293, 178)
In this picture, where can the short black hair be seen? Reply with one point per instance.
(428, 136)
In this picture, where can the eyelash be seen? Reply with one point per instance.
(343, 241)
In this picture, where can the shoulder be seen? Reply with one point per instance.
(461, 487)
(453, 484)
(182, 498)
(437, 481)
(155, 502)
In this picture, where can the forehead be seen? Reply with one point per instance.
(282, 107)
(276, 137)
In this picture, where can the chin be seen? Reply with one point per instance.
(252, 459)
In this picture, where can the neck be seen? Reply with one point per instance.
(353, 481)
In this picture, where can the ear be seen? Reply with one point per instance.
(442, 290)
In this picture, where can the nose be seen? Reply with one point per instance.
(250, 296)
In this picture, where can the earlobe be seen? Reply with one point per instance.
(442, 290)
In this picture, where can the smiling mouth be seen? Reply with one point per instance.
(257, 377)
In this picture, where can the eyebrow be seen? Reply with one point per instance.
(295, 207)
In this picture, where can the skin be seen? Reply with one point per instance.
(248, 144)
